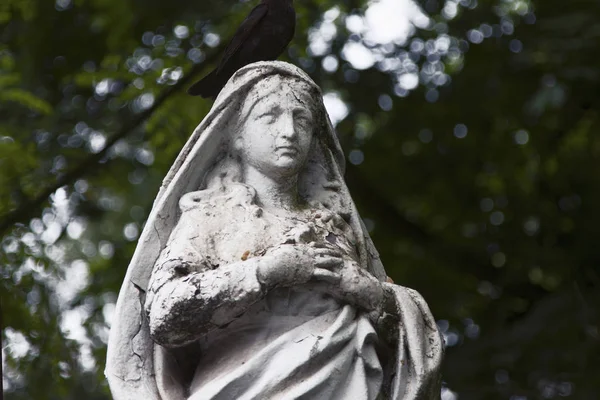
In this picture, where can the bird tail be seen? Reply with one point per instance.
(209, 86)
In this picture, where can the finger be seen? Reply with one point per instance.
(324, 252)
(329, 262)
(325, 275)
(320, 245)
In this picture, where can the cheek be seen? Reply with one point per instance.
(268, 133)
(264, 153)
(305, 143)
(258, 139)
(259, 147)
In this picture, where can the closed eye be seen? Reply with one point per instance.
(302, 116)
(303, 121)
(268, 116)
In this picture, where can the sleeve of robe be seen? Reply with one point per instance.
(188, 295)
(416, 369)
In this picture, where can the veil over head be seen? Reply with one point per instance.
(132, 365)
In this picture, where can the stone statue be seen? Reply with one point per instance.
(254, 277)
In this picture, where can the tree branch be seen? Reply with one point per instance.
(29, 207)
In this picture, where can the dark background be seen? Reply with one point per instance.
(480, 185)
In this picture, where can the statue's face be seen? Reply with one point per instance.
(277, 133)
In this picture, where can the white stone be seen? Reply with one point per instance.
(254, 277)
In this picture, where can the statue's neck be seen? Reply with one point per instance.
(281, 193)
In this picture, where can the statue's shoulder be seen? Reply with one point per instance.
(196, 200)
(217, 199)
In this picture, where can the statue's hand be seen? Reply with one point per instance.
(289, 264)
(347, 281)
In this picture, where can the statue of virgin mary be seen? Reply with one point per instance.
(254, 277)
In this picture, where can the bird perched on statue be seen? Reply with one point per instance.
(263, 36)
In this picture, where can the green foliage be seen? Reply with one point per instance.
(479, 184)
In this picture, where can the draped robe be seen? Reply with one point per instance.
(296, 342)
(289, 343)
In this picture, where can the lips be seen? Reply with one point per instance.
(288, 149)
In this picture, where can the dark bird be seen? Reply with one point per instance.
(263, 36)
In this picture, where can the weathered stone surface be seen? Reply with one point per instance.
(254, 277)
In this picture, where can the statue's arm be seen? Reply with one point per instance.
(186, 298)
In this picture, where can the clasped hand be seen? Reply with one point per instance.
(289, 265)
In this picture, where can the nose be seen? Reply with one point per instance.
(287, 128)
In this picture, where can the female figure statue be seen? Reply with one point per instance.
(254, 277)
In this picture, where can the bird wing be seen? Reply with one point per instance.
(241, 35)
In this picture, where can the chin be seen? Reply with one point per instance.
(287, 169)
